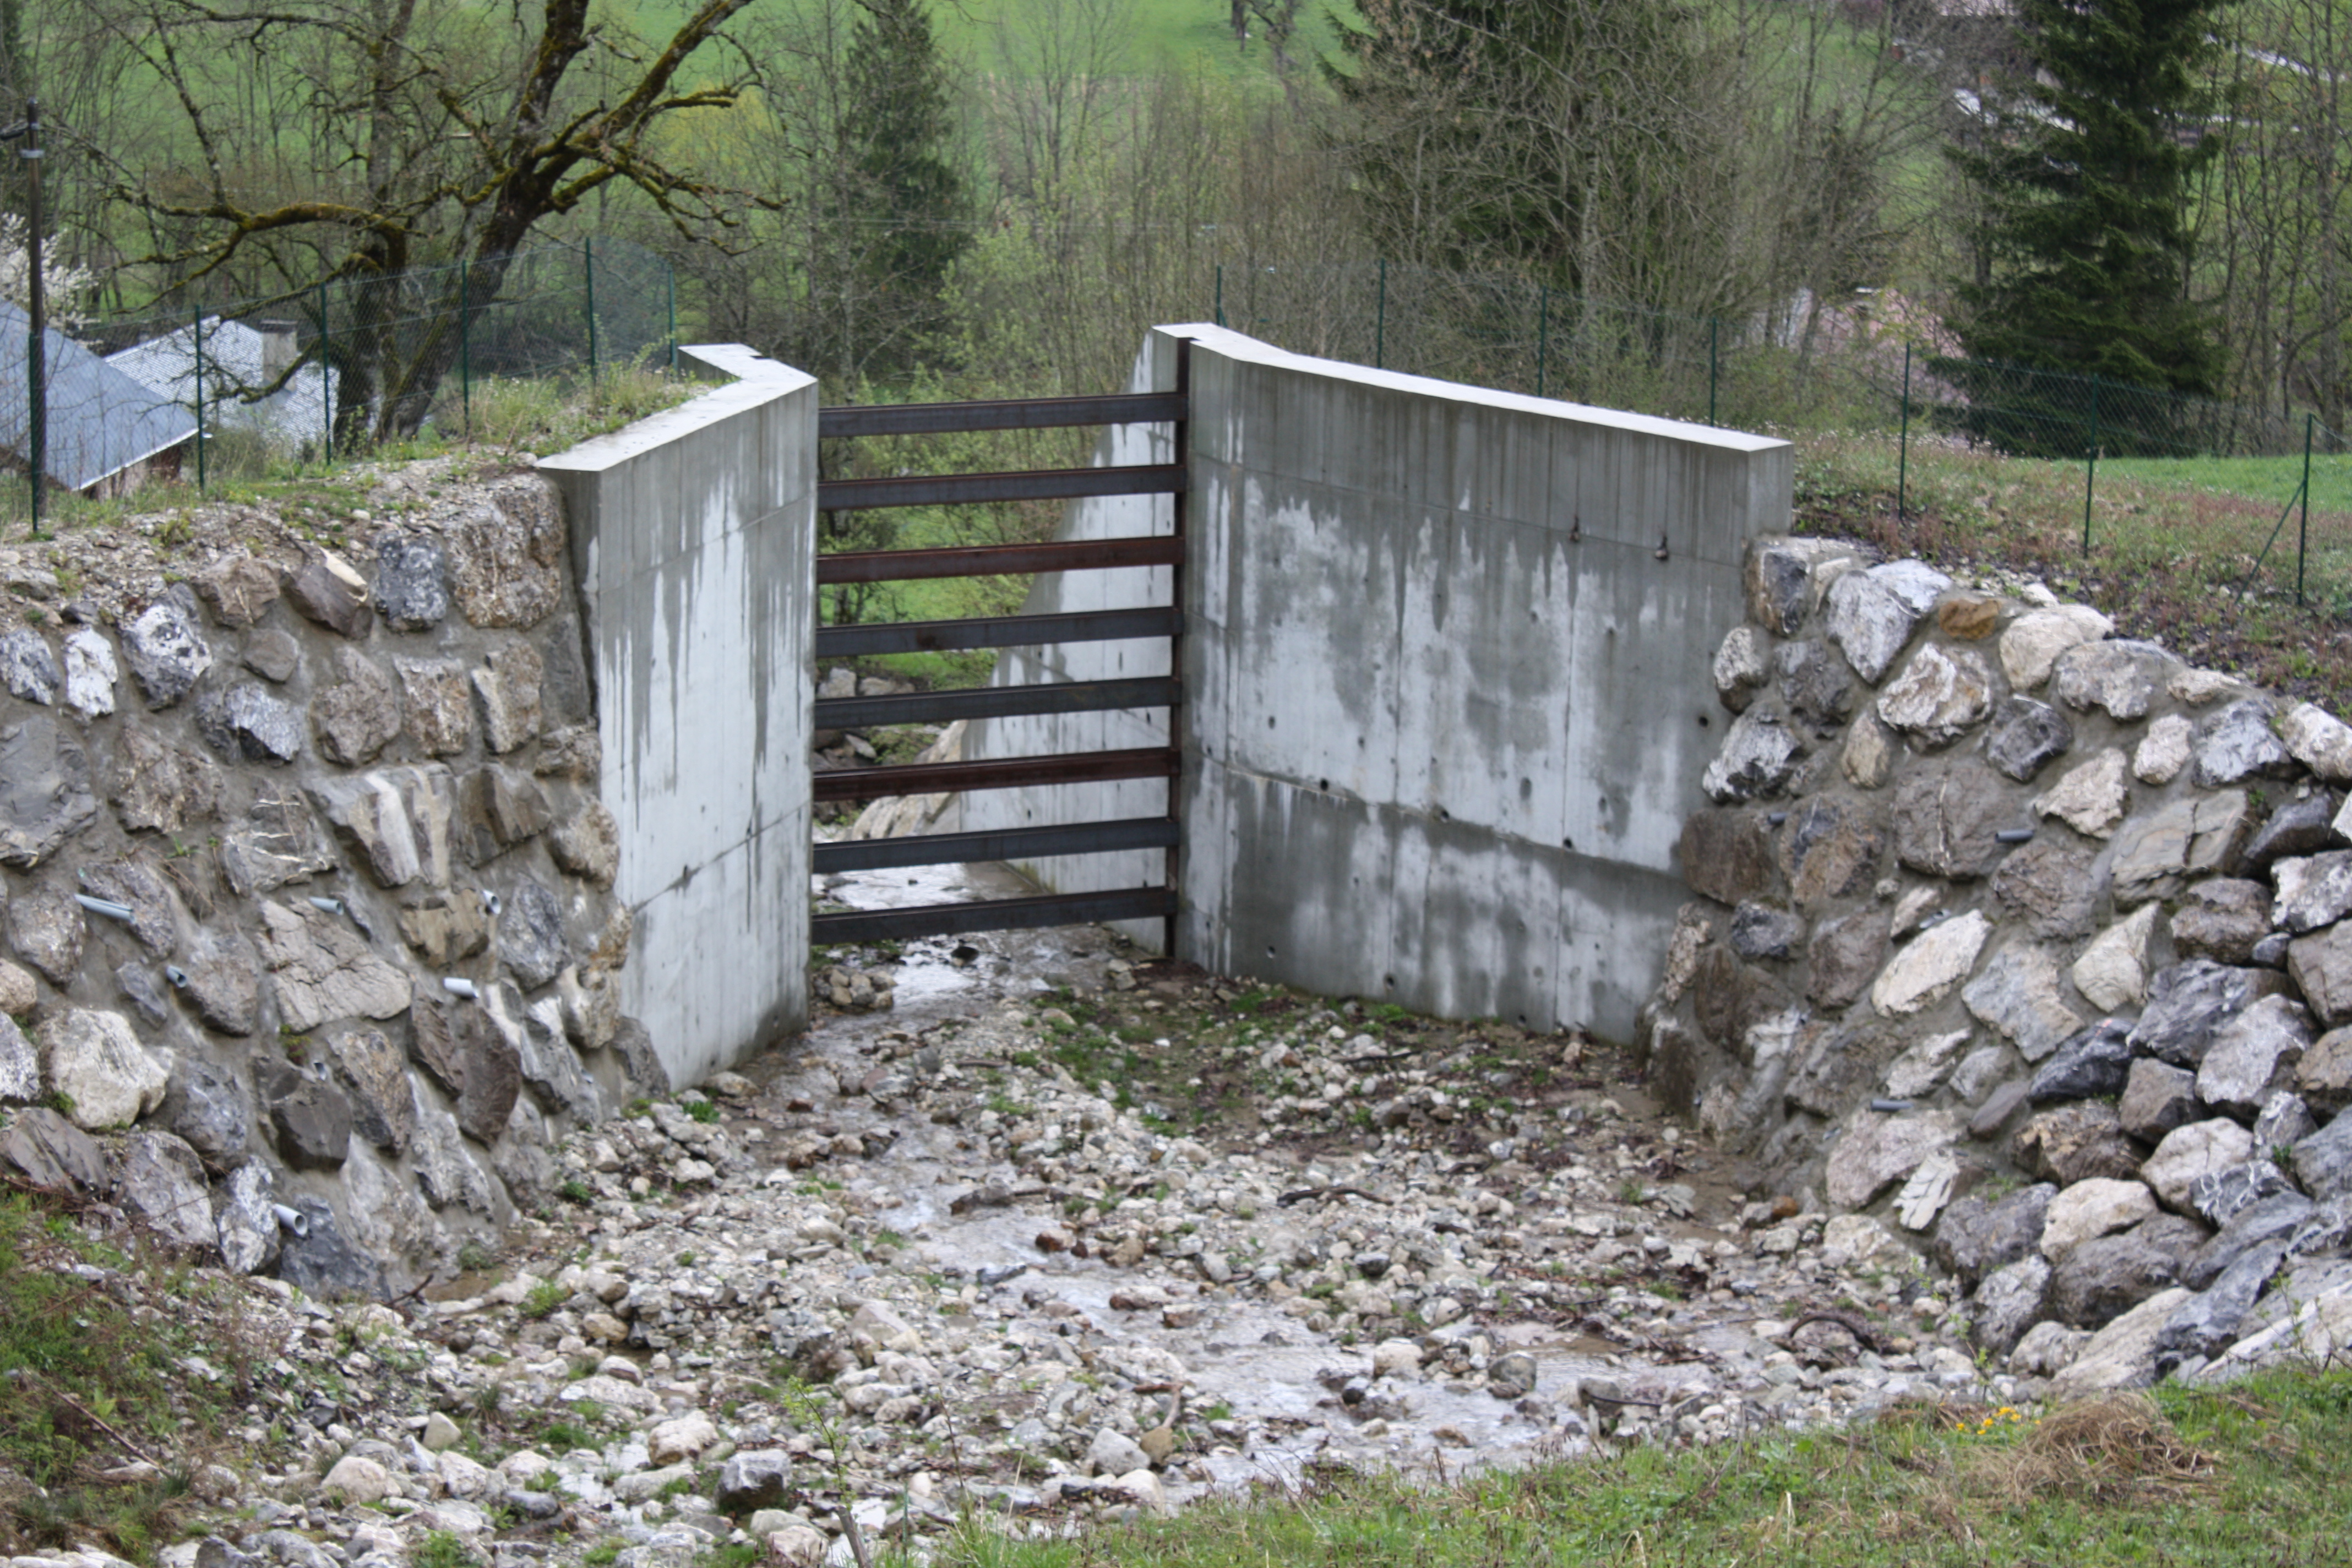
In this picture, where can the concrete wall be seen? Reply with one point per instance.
(1448, 705)
(693, 538)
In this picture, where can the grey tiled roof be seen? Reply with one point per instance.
(99, 422)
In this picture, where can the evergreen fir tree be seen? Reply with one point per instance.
(2084, 262)
(897, 142)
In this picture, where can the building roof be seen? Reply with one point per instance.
(100, 421)
(236, 364)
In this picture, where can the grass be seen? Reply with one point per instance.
(2249, 1475)
(2176, 546)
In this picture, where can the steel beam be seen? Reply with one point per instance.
(993, 702)
(995, 631)
(1000, 844)
(997, 560)
(999, 772)
(992, 914)
(1035, 484)
(1005, 414)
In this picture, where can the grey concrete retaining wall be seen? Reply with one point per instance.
(1447, 666)
(693, 538)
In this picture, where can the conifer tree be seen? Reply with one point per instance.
(897, 141)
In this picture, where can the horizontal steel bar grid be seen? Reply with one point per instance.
(1035, 484)
(992, 914)
(999, 844)
(999, 772)
(997, 560)
(1006, 413)
(995, 631)
(994, 703)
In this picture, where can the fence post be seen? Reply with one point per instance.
(589, 251)
(669, 281)
(2091, 473)
(1543, 335)
(2303, 529)
(1902, 442)
(1381, 322)
(1221, 294)
(465, 344)
(1713, 322)
(327, 386)
(199, 331)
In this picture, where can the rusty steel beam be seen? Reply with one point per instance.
(999, 773)
(999, 844)
(995, 631)
(993, 702)
(991, 914)
(997, 560)
(1035, 484)
(1005, 414)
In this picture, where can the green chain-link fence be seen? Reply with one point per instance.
(208, 387)
(1820, 369)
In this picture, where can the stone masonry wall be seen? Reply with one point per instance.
(2032, 940)
(307, 886)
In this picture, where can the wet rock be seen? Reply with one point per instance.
(1976, 1237)
(2188, 1002)
(2313, 890)
(373, 1075)
(1845, 954)
(238, 590)
(2188, 1152)
(225, 981)
(2237, 742)
(2031, 645)
(27, 669)
(310, 1120)
(1759, 932)
(321, 970)
(412, 589)
(2164, 751)
(531, 935)
(544, 1055)
(1931, 965)
(1779, 583)
(447, 1173)
(2157, 1098)
(1945, 819)
(2156, 855)
(506, 555)
(1830, 849)
(2093, 1063)
(89, 674)
(2026, 737)
(2207, 1324)
(206, 1106)
(45, 797)
(1877, 1150)
(163, 1183)
(2253, 1054)
(507, 692)
(166, 651)
(2101, 1206)
(359, 715)
(2019, 994)
(1939, 698)
(2112, 973)
(2054, 885)
(94, 1060)
(2123, 1354)
(2076, 1142)
(1759, 755)
(2306, 827)
(46, 930)
(245, 1226)
(1870, 614)
(278, 842)
(1726, 855)
(588, 843)
(2320, 965)
(52, 1152)
(2119, 677)
(246, 721)
(20, 1064)
(2008, 1303)
(437, 699)
(2220, 1197)
(2108, 1276)
(2221, 918)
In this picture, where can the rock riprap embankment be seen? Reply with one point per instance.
(2032, 942)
